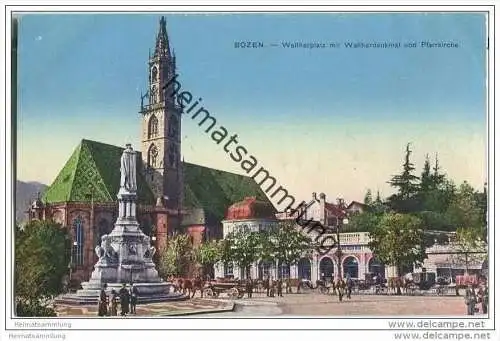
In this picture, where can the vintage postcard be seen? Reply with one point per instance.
(203, 166)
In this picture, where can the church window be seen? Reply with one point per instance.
(78, 245)
(152, 156)
(153, 127)
(154, 74)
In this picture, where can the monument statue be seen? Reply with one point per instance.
(125, 255)
(128, 169)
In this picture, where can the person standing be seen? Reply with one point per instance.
(103, 302)
(279, 287)
(133, 298)
(113, 303)
(271, 287)
(124, 300)
(470, 300)
(350, 285)
(340, 285)
(249, 287)
(482, 295)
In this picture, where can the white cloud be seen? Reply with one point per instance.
(38, 38)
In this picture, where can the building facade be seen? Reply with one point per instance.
(356, 259)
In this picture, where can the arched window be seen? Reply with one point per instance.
(152, 156)
(152, 127)
(78, 245)
(154, 74)
(376, 267)
(326, 269)
(351, 267)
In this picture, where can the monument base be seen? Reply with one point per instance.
(147, 293)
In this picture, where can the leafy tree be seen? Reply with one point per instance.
(368, 200)
(435, 221)
(176, 256)
(209, 253)
(363, 222)
(244, 248)
(398, 240)
(42, 255)
(469, 246)
(286, 244)
(465, 211)
(406, 185)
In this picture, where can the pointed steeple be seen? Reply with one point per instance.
(162, 47)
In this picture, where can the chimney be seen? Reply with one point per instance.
(322, 210)
(314, 196)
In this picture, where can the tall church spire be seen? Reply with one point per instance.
(162, 47)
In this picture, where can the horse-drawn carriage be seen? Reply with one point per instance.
(233, 289)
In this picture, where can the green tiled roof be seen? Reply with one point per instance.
(95, 167)
(215, 190)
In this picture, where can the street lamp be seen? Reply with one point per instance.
(70, 265)
(340, 224)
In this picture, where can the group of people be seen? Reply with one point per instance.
(342, 287)
(474, 297)
(126, 296)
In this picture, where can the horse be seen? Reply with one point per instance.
(189, 286)
(393, 283)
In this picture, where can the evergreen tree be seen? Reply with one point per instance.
(426, 179)
(368, 198)
(437, 178)
(405, 183)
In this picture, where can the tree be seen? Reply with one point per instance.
(244, 248)
(437, 179)
(426, 180)
(286, 244)
(208, 253)
(469, 246)
(368, 200)
(406, 185)
(465, 211)
(363, 222)
(398, 240)
(176, 256)
(42, 255)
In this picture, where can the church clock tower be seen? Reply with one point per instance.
(161, 126)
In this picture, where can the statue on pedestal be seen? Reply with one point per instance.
(128, 169)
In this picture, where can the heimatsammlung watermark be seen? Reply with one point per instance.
(238, 153)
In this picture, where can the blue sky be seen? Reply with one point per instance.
(80, 76)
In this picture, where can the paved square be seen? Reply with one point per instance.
(359, 305)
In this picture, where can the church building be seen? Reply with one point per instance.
(173, 196)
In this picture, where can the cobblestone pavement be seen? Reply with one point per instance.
(194, 306)
(367, 305)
